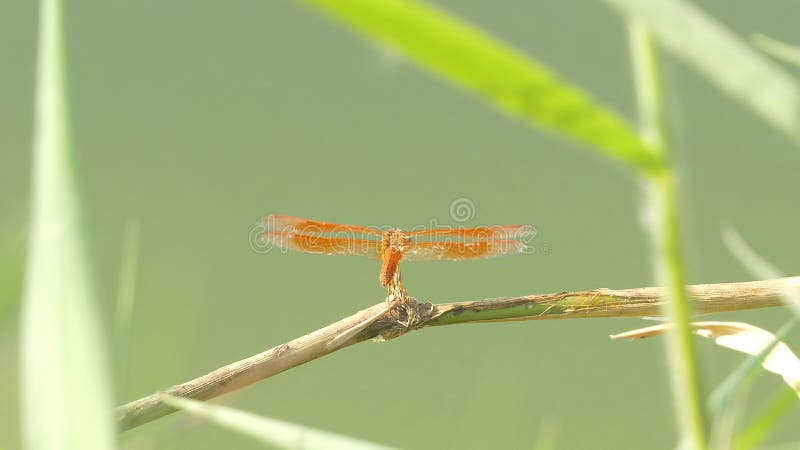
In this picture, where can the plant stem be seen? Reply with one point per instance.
(598, 303)
(638, 302)
(680, 343)
(663, 227)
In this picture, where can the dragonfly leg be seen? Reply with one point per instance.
(400, 283)
(395, 292)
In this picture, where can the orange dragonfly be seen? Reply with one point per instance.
(393, 245)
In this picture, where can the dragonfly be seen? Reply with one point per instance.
(393, 245)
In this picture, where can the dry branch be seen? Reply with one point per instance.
(707, 298)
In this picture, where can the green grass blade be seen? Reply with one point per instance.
(510, 81)
(681, 354)
(126, 294)
(757, 265)
(273, 432)
(664, 233)
(722, 57)
(779, 50)
(738, 381)
(65, 394)
(649, 88)
(736, 384)
(765, 420)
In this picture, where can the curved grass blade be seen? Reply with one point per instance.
(738, 381)
(728, 399)
(126, 294)
(765, 420)
(746, 338)
(722, 57)
(510, 81)
(278, 433)
(752, 340)
(758, 266)
(735, 385)
(777, 49)
(65, 394)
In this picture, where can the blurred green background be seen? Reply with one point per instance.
(196, 118)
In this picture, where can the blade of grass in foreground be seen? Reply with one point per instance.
(662, 225)
(786, 52)
(735, 385)
(274, 432)
(722, 57)
(738, 381)
(729, 398)
(757, 265)
(765, 420)
(65, 396)
(126, 294)
(510, 81)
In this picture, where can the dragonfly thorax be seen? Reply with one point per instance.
(395, 239)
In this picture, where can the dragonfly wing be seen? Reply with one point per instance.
(290, 224)
(321, 245)
(479, 233)
(456, 251)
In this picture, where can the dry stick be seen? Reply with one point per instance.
(707, 298)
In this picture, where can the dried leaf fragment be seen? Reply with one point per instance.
(738, 336)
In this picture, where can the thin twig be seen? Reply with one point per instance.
(707, 298)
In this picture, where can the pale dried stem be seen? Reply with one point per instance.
(707, 298)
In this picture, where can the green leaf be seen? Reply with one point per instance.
(65, 393)
(779, 50)
(722, 57)
(510, 81)
(270, 431)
